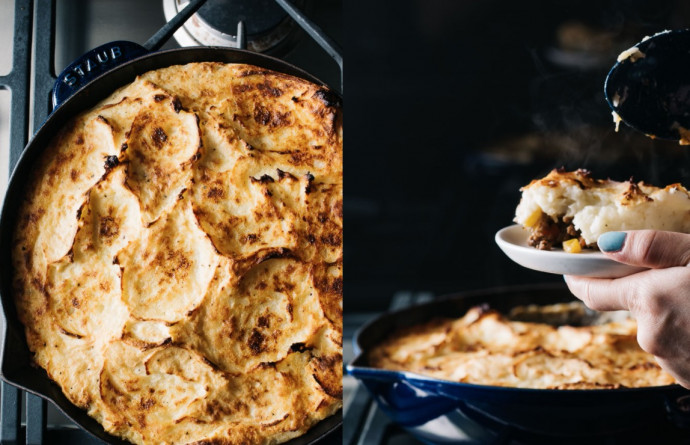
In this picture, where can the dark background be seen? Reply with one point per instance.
(452, 106)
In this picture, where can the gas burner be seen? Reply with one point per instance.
(267, 26)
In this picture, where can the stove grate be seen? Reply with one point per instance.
(34, 26)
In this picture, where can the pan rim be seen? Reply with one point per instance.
(358, 370)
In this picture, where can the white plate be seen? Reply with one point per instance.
(513, 241)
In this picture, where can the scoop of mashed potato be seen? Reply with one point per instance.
(573, 205)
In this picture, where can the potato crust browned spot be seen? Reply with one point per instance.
(178, 257)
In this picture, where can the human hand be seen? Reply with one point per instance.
(659, 298)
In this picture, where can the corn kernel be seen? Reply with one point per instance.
(572, 246)
(533, 218)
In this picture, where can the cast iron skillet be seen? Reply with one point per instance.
(435, 410)
(16, 366)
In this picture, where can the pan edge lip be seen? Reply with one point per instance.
(83, 99)
(413, 376)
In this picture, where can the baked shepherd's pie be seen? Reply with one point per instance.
(178, 257)
(533, 347)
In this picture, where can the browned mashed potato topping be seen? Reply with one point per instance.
(574, 207)
(486, 348)
(178, 257)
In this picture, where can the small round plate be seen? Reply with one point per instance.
(513, 241)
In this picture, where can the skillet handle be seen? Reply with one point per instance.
(107, 56)
(91, 65)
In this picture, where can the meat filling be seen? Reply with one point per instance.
(546, 233)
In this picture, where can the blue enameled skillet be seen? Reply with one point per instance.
(438, 411)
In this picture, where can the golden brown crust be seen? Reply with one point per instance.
(484, 347)
(178, 257)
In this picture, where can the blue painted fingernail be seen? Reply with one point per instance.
(611, 241)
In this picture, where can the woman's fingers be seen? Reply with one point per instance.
(659, 298)
(600, 294)
(646, 293)
(647, 248)
(678, 369)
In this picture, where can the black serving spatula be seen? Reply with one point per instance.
(649, 86)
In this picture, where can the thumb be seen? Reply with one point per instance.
(647, 248)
